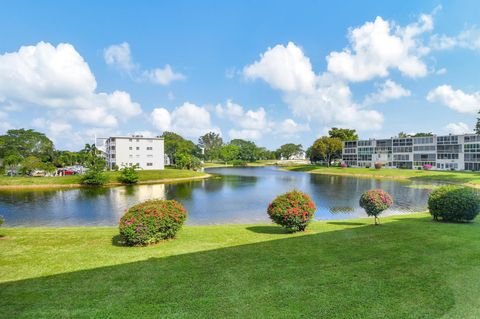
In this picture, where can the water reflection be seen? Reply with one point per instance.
(237, 195)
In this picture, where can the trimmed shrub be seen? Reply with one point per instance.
(128, 175)
(151, 221)
(293, 210)
(94, 177)
(378, 165)
(343, 165)
(2, 220)
(375, 201)
(238, 163)
(427, 167)
(454, 203)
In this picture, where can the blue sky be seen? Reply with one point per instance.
(270, 71)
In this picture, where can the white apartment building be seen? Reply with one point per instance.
(449, 152)
(145, 152)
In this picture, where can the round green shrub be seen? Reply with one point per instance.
(375, 201)
(293, 210)
(151, 221)
(1, 220)
(454, 203)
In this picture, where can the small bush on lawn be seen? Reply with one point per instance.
(151, 221)
(128, 175)
(378, 165)
(238, 163)
(1, 220)
(454, 203)
(375, 201)
(293, 210)
(94, 177)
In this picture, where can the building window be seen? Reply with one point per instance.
(137, 140)
(149, 148)
(129, 139)
(130, 148)
(149, 155)
(137, 148)
(149, 164)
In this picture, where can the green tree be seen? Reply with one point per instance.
(176, 145)
(26, 143)
(421, 134)
(247, 150)
(31, 164)
(92, 157)
(477, 126)
(211, 143)
(265, 154)
(12, 161)
(325, 149)
(343, 134)
(403, 135)
(229, 153)
(289, 150)
(187, 161)
(128, 175)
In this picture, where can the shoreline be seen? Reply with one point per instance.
(425, 179)
(110, 184)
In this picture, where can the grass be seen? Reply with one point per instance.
(468, 178)
(144, 176)
(408, 267)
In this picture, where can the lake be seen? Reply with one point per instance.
(234, 195)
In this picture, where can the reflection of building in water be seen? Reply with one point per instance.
(126, 196)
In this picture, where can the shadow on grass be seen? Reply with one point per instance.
(117, 241)
(268, 229)
(347, 223)
(361, 272)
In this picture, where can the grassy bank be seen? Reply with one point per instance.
(468, 178)
(408, 267)
(144, 176)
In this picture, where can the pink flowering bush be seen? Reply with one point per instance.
(343, 165)
(375, 201)
(427, 167)
(151, 221)
(293, 210)
(378, 165)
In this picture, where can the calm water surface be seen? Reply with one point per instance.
(237, 195)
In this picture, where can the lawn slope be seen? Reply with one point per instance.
(409, 267)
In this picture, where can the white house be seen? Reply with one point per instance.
(146, 152)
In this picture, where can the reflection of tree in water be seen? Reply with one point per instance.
(179, 191)
(238, 181)
(92, 192)
(15, 196)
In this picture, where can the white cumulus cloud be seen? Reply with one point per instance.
(388, 90)
(188, 120)
(455, 99)
(457, 128)
(378, 46)
(58, 78)
(285, 68)
(164, 76)
(119, 56)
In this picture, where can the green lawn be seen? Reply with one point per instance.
(471, 178)
(144, 176)
(408, 267)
